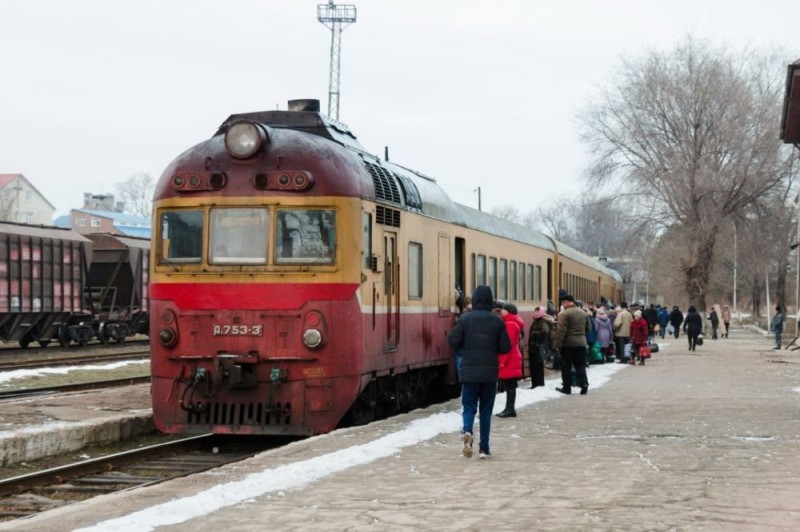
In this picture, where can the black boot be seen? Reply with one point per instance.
(511, 398)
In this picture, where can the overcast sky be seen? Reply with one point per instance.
(472, 93)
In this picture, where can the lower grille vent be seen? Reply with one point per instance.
(213, 413)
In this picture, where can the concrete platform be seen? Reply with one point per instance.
(708, 440)
(32, 428)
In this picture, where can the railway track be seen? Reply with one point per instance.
(32, 493)
(9, 365)
(76, 387)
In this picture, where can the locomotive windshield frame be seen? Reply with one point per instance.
(258, 238)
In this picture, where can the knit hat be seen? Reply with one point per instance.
(637, 314)
(510, 308)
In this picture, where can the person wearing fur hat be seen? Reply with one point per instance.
(570, 339)
(539, 344)
(640, 332)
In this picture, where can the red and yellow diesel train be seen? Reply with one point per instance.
(298, 281)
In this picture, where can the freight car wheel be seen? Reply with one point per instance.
(63, 337)
(103, 336)
(25, 341)
(44, 343)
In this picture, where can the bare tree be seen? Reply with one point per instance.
(554, 219)
(137, 193)
(692, 134)
(507, 212)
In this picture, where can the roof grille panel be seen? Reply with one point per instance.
(385, 184)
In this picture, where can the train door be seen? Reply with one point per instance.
(391, 290)
(445, 286)
(550, 282)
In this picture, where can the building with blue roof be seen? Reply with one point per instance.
(101, 214)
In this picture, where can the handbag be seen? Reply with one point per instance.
(699, 339)
(595, 354)
(644, 352)
(653, 346)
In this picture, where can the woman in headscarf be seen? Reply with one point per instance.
(640, 333)
(604, 329)
(539, 344)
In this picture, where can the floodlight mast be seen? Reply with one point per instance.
(336, 18)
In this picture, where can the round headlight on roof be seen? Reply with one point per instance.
(243, 139)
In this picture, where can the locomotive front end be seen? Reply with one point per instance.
(254, 298)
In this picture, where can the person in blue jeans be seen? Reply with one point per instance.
(480, 336)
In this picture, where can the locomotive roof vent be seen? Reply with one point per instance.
(307, 104)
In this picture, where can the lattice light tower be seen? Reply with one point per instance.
(336, 18)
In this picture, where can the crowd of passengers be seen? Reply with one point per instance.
(602, 333)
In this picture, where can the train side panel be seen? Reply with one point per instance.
(42, 276)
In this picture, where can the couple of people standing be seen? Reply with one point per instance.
(484, 337)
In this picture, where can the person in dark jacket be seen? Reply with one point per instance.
(777, 326)
(693, 326)
(539, 344)
(675, 319)
(650, 314)
(663, 320)
(481, 336)
(714, 323)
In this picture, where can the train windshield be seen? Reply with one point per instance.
(305, 236)
(238, 236)
(181, 236)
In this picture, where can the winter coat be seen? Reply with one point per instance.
(604, 329)
(650, 315)
(511, 362)
(639, 331)
(481, 336)
(714, 318)
(663, 317)
(693, 323)
(777, 323)
(571, 328)
(676, 318)
(726, 315)
(622, 324)
(539, 342)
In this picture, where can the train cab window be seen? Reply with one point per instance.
(181, 236)
(305, 236)
(238, 236)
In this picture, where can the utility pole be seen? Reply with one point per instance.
(478, 190)
(336, 18)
